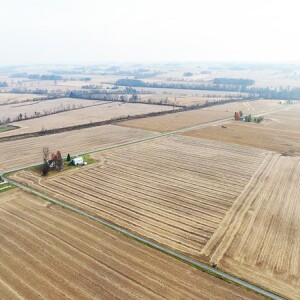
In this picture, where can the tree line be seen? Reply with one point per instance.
(44, 77)
(3, 84)
(181, 86)
(234, 81)
(279, 94)
(253, 92)
(37, 76)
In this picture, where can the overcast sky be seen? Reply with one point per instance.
(95, 31)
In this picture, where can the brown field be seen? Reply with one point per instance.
(20, 153)
(263, 78)
(29, 108)
(202, 116)
(250, 107)
(6, 98)
(259, 238)
(287, 119)
(49, 252)
(177, 121)
(186, 92)
(278, 132)
(103, 112)
(158, 190)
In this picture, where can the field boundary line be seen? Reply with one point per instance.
(230, 223)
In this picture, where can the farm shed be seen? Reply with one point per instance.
(77, 161)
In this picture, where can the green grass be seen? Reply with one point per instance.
(67, 167)
(88, 159)
(6, 187)
(7, 127)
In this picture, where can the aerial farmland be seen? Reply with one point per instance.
(48, 252)
(173, 194)
(158, 191)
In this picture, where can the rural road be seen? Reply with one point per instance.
(202, 266)
(140, 140)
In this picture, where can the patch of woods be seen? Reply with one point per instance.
(136, 73)
(3, 84)
(188, 74)
(37, 76)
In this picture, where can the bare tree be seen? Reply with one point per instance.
(46, 153)
(59, 160)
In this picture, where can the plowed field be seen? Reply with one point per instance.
(102, 112)
(260, 237)
(178, 120)
(51, 253)
(30, 108)
(197, 117)
(20, 153)
(6, 98)
(173, 190)
(280, 132)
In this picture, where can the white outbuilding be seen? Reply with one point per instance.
(77, 161)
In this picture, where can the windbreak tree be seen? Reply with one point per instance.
(46, 153)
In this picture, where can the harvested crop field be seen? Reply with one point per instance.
(287, 119)
(49, 252)
(259, 239)
(158, 190)
(87, 115)
(42, 107)
(187, 92)
(278, 132)
(177, 120)
(8, 98)
(250, 107)
(21, 153)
